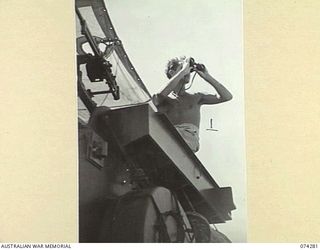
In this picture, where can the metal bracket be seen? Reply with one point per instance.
(97, 150)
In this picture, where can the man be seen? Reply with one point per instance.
(184, 109)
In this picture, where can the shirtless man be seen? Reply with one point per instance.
(184, 110)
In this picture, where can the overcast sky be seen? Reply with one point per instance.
(211, 31)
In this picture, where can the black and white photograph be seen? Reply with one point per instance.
(144, 121)
(161, 121)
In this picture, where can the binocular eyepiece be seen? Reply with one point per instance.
(195, 65)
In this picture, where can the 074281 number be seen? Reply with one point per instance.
(308, 245)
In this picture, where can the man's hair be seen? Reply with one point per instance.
(173, 64)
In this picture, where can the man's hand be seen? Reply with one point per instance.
(203, 73)
(186, 68)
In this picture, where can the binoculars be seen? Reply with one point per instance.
(195, 65)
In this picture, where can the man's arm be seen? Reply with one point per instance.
(224, 94)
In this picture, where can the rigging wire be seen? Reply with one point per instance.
(104, 99)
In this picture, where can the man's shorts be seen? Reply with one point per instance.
(190, 133)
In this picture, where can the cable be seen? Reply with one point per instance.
(192, 80)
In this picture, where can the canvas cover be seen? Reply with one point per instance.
(132, 89)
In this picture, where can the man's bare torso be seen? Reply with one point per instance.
(183, 109)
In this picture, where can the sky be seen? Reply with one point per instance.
(210, 31)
